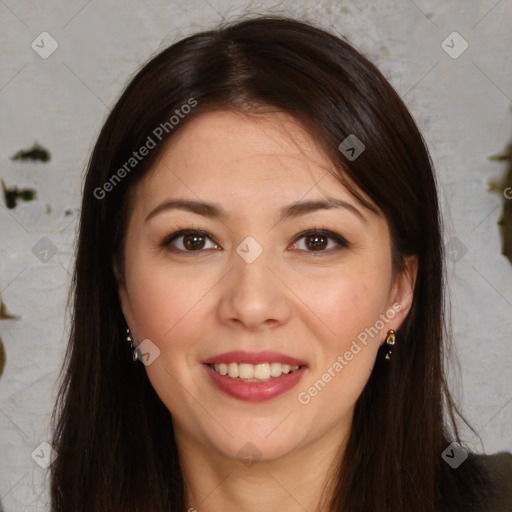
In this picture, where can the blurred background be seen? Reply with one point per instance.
(63, 65)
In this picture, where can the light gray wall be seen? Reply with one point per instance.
(461, 104)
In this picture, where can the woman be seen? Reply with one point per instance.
(260, 229)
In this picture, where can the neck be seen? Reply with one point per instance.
(298, 482)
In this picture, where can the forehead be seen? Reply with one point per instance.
(224, 153)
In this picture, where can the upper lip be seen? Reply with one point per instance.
(239, 356)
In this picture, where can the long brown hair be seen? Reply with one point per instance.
(113, 435)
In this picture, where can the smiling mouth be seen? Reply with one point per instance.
(253, 372)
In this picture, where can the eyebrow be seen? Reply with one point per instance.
(293, 210)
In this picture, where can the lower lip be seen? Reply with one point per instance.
(255, 391)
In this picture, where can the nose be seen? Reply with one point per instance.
(254, 295)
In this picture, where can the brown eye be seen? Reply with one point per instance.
(315, 241)
(193, 241)
(188, 241)
(318, 241)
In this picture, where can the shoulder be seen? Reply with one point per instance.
(499, 469)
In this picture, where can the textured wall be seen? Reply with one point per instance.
(459, 96)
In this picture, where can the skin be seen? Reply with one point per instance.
(292, 299)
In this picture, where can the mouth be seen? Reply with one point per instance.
(254, 376)
(261, 372)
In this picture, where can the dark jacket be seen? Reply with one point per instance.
(500, 470)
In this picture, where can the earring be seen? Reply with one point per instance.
(390, 340)
(130, 340)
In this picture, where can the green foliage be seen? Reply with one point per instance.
(35, 153)
(505, 189)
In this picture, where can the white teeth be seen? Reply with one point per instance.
(233, 370)
(254, 372)
(276, 369)
(246, 371)
(262, 371)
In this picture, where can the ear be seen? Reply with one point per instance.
(122, 293)
(402, 291)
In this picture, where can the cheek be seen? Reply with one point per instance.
(164, 300)
(344, 358)
(350, 304)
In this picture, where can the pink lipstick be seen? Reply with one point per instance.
(254, 376)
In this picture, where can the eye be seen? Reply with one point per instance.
(317, 239)
(192, 240)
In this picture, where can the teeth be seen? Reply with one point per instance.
(254, 372)
(276, 369)
(262, 371)
(246, 371)
(233, 370)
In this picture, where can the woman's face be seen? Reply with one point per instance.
(255, 278)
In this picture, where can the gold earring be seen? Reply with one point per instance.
(390, 340)
(130, 340)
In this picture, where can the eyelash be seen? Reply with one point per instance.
(182, 231)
